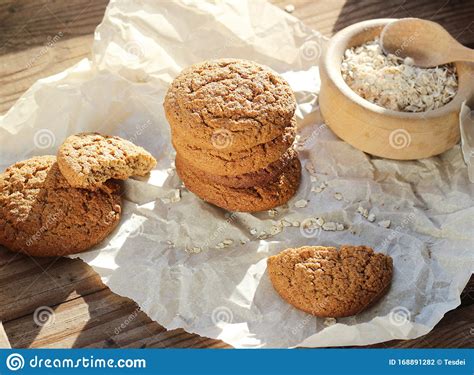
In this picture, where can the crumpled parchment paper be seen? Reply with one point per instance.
(163, 255)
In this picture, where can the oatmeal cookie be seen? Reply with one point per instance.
(251, 179)
(221, 162)
(250, 199)
(330, 282)
(42, 215)
(87, 160)
(245, 101)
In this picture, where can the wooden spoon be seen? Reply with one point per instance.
(426, 42)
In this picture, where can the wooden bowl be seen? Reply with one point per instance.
(377, 130)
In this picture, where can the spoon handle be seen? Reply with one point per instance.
(463, 54)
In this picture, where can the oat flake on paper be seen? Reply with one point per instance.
(224, 292)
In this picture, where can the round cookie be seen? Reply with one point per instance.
(259, 178)
(42, 215)
(327, 282)
(252, 199)
(223, 163)
(246, 100)
(87, 160)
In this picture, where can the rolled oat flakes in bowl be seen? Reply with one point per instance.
(385, 106)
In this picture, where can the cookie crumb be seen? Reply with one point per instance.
(338, 196)
(371, 217)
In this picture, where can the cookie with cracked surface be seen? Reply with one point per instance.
(251, 199)
(42, 215)
(330, 282)
(247, 180)
(248, 100)
(221, 162)
(87, 160)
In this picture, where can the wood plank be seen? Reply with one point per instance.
(4, 343)
(101, 319)
(331, 16)
(43, 282)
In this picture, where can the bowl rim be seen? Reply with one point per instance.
(334, 74)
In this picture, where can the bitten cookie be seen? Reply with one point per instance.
(42, 215)
(87, 160)
(327, 282)
(247, 101)
(258, 178)
(252, 199)
(224, 163)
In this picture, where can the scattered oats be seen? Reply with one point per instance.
(309, 167)
(313, 178)
(316, 189)
(371, 217)
(329, 322)
(309, 222)
(385, 223)
(171, 243)
(320, 221)
(166, 200)
(339, 226)
(228, 242)
(290, 8)
(394, 83)
(253, 231)
(338, 196)
(194, 250)
(272, 212)
(176, 197)
(409, 61)
(220, 245)
(275, 230)
(263, 235)
(363, 211)
(301, 203)
(331, 226)
(243, 242)
(295, 223)
(285, 223)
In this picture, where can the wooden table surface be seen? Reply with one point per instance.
(87, 313)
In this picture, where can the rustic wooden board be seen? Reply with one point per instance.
(86, 313)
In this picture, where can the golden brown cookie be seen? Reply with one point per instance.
(327, 282)
(252, 199)
(223, 163)
(259, 178)
(239, 100)
(42, 215)
(87, 160)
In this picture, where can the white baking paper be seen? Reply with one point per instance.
(164, 256)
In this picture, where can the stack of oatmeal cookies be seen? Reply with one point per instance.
(233, 125)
